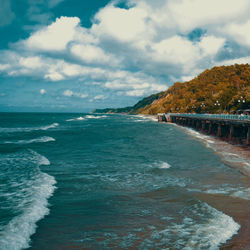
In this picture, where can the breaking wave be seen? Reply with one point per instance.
(26, 194)
(203, 227)
(37, 140)
(27, 129)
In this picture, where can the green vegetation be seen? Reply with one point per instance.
(146, 102)
(223, 89)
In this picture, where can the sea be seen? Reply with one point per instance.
(95, 181)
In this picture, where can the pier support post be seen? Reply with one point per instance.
(248, 135)
(197, 124)
(210, 128)
(219, 130)
(231, 132)
(203, 125)
(193, 123)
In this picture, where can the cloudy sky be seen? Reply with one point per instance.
(75, 55)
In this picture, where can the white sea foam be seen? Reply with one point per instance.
(76, 119)
(95, 117)
(164, 165)
(37, 140)
(49, 126)
(27, 129)
(203, 227)
(16, 234)
(144, 118)
(238, 192)
(30, 196)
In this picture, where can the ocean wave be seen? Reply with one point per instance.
(95, 117)
(203, 227)
(164, 165)
(37, 140)
(236, 191)
(86, 117)
(76, 119)
(26, 190)
(28, 129)
(143, 118)
(53, 125)
(160, 165)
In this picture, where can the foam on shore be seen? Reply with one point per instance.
(203, 227)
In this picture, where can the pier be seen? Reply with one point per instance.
(234, 128)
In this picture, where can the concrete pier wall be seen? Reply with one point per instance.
(232, 128)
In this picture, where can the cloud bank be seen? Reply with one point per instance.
(137, 50)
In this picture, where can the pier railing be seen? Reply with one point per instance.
(213, 116)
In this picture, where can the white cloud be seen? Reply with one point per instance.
(122, 24)
(89, 53)
(135, 51)
(4, 67)
(70, 93)
(81, 95)
(30, 62)
(42, 91)
(54, 76)
(241, 60)
(175, 50)
(210, 45)
(240, 32)
(99, 97)
(191, 14)
(137, 92)
(55, 37)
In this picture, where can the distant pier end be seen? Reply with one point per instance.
(234, 128)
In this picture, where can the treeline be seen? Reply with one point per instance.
(223, 89)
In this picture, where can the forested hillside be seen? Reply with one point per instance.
(220, 89)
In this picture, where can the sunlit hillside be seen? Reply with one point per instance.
(220, 89)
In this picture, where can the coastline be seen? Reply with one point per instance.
(237, 157)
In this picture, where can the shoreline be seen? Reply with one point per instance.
(235, 207)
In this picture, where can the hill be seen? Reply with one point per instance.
(133, 109)
(220, 89)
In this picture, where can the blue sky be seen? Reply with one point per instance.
(74, 55)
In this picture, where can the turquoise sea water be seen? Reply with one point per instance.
(81, 181)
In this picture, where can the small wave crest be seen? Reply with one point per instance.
(26, 191)
(76, 119)
(144, 118)
(164, 165)
(37, 140)
(53, 125)
(161, 165)
(95, 117)
(27, 129)
(80, 118)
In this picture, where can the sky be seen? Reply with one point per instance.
(78, 55)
